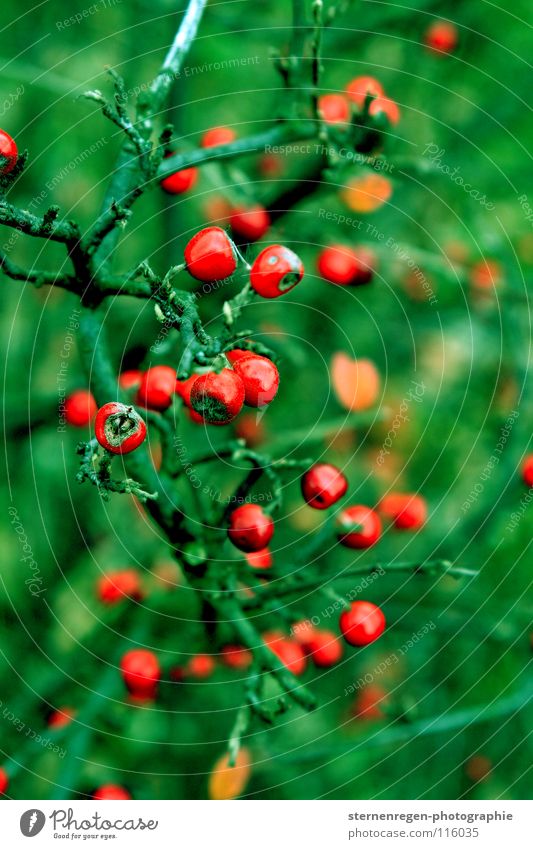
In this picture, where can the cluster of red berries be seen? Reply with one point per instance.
(337, 108)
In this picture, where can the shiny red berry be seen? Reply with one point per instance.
(260, 378)
(130, 380)
(323, 485)
(527, 470)
(218, 135)
(250, 528)
(275, 272)
(158, 387)
(324, 648)
(334, 108)
(116, 586)
(441, 37)
(250, 223)
(4, 780)
(80, 408)
(236, 657)
(408, 512)
(141, 673)
(290, 653)
(119, 428)
(261, 559)
(111, 792)
(358, 88)
(345, 266)
(369, 530)
(362, 624)
(210, 255)
(181, 181)
(218, 397)
(8, 153)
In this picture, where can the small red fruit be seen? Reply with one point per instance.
(111, 792)
(200, 666)
(334, 108)
(130, 379)
(261, 559)
(362, 624)
(250, 429)
(290, 653)
(345, 266)
(61, 717)
(250, 528)
(275, 271)
(119, 428)
(527, 470)
(8, 153)
(141, 673)
(4, 780)
(218, 135)
(183, 389)
(80, 408)
(218, 397)
(441, 36)
(324, 648)
(387, 107)
(116, 586)
(260, 378)
(250, 224)
(323, 485)
(369, 531)
(408, 512)
(181, 181)
(158, 387)
(210, 255)
(486, 273)
(367, 704)
(236, 657)
(359, 87)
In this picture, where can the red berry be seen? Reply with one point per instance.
(218, 397)
(367, 703)
(441, 36)
(250, 224)
(323, 485)
(260, 378)
(210, 255)
(130, 379)
(80, 408)
(200, 666)
(261, 559)
(385, 106)
(250, 429)
(275, 271)
(116, 586)
(110, 792)
(362, 624)
(8, 153)
(238, 354)
(236, 657)
(486, 273)
(334, 108)
(370, 527)
(324, 648)
(119, 428)
(290, 653)
(61, 717)
(337, 264)
(527, 470)
(218, 135)
(250, 528)
(359, 87)
(183, 388)
(158, 387)
(181, 181)
(141, 673)
(408, 512)
(4, 780)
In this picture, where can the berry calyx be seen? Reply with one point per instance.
(210, 255)
(527, 470)
(324, 648)
(8, 152)
(181, 181)
(80, 408)
(408, 512)
(236, 657)
(275, 271)
(119, 428)
(290, 653)
(334, 108)
(261, 559)
(218, 135)
(116, 586)
(358, 88)
(441, 36)
(158, 387)
(368, 531)
(323, 485)
(362, 624)
(217, 397)
(260, 378)
(111, 792)
(141, 673)
(250, 224)
(250, 528)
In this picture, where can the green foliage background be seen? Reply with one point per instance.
(470, 352)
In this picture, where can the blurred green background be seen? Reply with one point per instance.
(469, 348)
